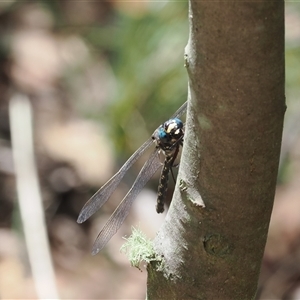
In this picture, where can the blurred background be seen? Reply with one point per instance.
(100, 76)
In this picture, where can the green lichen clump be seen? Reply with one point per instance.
(139, 248)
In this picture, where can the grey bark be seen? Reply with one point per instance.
(213, 238)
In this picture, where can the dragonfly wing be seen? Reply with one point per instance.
(103, 194)
(180, 111)
(117, 218)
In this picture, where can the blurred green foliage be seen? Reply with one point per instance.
(141, 45)
(145, 52)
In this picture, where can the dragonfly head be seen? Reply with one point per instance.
(169, 134)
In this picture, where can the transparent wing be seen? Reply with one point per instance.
(180, 111)
(117, 218)
(104, 193)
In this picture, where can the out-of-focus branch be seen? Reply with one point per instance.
(29, 196)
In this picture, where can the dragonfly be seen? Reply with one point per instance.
(168, 138)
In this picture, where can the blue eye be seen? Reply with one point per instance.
(162, 133)
(178, 122)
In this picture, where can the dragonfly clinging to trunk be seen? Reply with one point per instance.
(168, 138)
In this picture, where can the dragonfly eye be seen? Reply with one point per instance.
(161, 133)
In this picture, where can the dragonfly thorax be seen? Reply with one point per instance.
(169, 134)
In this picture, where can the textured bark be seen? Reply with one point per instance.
(214, 235)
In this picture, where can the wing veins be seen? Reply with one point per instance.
(118, 217)
(104, 193)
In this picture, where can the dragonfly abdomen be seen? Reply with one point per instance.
(163, 186)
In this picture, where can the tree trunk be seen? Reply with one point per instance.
(213, 238)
